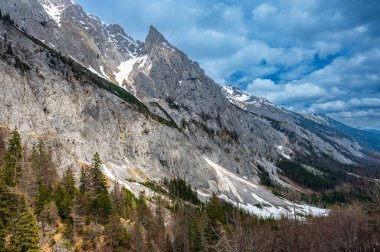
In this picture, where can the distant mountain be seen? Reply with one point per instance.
(88, 86)
(369, 139)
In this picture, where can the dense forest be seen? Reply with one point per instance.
(42, 209)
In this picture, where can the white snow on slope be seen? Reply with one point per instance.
(54, 11)
(280, 148)
(97, 73)
(264, 208)
(226, 172)
(126, 67)
(243, 97)
(103, 72)
(108, 171)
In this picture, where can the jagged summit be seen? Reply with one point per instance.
(154, 38)
(221, 134)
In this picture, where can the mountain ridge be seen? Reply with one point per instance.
(223, 135)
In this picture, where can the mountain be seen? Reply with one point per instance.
(370, 140)
(86, 86)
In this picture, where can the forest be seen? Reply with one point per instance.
(44, 209)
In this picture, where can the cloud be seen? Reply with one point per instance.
(312, 56)
(285, 94)
(345, 106)
(263, 11)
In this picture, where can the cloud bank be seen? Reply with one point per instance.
(313, 56)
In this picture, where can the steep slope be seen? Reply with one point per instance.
(199, 104)
(157, 70)
(47, 97)
(370, 140)
(67, 28)
(184, 124)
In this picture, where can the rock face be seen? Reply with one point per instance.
(219, 136)
(81, 118)
(67, 28)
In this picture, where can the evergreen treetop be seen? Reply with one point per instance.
(13, 160)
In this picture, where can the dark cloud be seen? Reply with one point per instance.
(311, 56)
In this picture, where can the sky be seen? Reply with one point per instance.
(311, 56)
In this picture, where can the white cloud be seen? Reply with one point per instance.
(327, 48)
(345, 106)
(273, 39)
(285, 94)
(263, 11)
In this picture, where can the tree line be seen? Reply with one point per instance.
(91, 213)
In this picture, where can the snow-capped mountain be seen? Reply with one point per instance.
(182, 122)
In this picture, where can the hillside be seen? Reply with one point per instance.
(83, 87)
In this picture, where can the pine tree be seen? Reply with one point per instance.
(5, 214)
(98, 179)
(13, 160)
(24, 231)
(69, 182)
(43, 197)
(101, 202)
(64, 202)
(65, 194)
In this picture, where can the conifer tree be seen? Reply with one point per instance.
(69, 182)
(64, 202)
(65, 194)
(24, 230)
(43, 197)
(98, 179)
(13, 160)
(101, 202)
(5, 213)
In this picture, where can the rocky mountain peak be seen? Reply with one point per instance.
(53, 3)
(154, 38)
(115, 29)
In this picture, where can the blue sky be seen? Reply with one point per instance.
(311, 56)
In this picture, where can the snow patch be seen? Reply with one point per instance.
(126, 67)
(103, 72)
(95, 72)
(293, 210)
(54, 11)
(280, 148)
(264, 209)
(224, 173)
